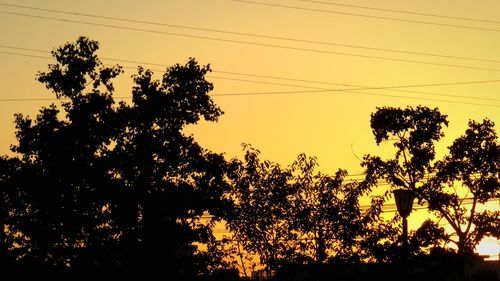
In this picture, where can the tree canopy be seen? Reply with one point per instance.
(469, 172)
(99, 186)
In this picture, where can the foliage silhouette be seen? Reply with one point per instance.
(295, 215)
(260, 219)
(413, 132)
(470, 170)
(327, 213)
(98, 187)
(105, 187)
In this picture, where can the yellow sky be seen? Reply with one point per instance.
(334, 126)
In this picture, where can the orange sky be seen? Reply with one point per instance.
(334, 125)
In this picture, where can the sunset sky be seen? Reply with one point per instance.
(282, 69)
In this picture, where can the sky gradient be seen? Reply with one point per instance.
(449, 55)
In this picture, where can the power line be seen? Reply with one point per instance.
(120, 60)
(272, 93)
(389, 87)
(362, 88)
(23, 55)
(284, 78)
(253, 43)
(346, 84)
(322, 90)
(266, 93)
(352, 91)
(265, 76)
(400, 11)
(25, 49)
(351, 85)
(250, 34)
(369, 16)
(389, 208)
(316, 90)
(355, 90)
(446, 95)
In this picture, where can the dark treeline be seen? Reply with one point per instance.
(100, 187)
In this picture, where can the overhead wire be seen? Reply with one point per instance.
(369, 16)
(248, 34)
(401, 11)
(52, 10)
(458, 96)
(357, 91)
(315, 89)
(23, 55)
(353, 85)
(253, 43)
(285, 78)
(391, 207)
(267, 77)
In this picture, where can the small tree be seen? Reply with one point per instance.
(327, 213)
(262, 214)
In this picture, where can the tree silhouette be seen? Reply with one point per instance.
(102, 187)
(262, 212)
(470, 172)
(413, 132)
(63, 181)
(381, 243)
(327, 213)
(295, 215)
(167, 181)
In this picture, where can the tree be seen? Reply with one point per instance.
(413, 132)
(472, 167)
(167, 181)
(62, 180)
(380, 242)
(261, 215)
(295, 215)
(327, 213)
(102, 187)
(470, 172)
